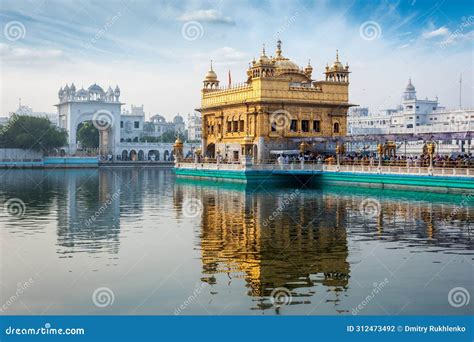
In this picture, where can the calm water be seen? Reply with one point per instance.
(142, 242)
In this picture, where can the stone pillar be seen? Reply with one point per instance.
(203, 145)
(261, 148)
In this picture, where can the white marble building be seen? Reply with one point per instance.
(194, 127)
(26, 110)
(132, 123)
(414, 116)
(93, 104)
(158, 125)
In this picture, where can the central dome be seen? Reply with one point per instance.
(96, 88)
(286, 64)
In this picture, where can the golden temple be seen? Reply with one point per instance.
(278, 107)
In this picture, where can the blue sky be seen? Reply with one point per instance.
(149, 50)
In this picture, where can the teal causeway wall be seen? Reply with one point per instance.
(391, 181)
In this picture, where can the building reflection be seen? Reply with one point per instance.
(271, 240)
(89, 212)
(298, 239)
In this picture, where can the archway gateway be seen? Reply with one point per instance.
(94, 104)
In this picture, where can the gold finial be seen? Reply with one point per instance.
(278, 50)
(309, 62)
(263, 50)
(337, 55)
(211, 64)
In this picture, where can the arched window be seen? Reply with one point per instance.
(336, 127)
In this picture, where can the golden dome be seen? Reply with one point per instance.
(337, 66)
(283, 63)
(264, 60)
(211, 75)
(286, 64)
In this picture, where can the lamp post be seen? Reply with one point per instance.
(431, 149)
(380, 152)
(178, 150)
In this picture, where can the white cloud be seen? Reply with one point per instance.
(17, 55)
(439, 32)
(209, 15)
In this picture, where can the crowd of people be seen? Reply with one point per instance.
(455, 160)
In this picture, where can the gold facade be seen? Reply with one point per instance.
(278, 106)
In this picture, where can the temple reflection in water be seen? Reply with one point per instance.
(320, 243)
(276, 238)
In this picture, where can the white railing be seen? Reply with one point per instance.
(408, 170)
(315, 166)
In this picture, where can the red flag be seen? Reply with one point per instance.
(230, 79)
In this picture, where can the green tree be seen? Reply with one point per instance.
(170, 137)
(88, 134)
(29, 132)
